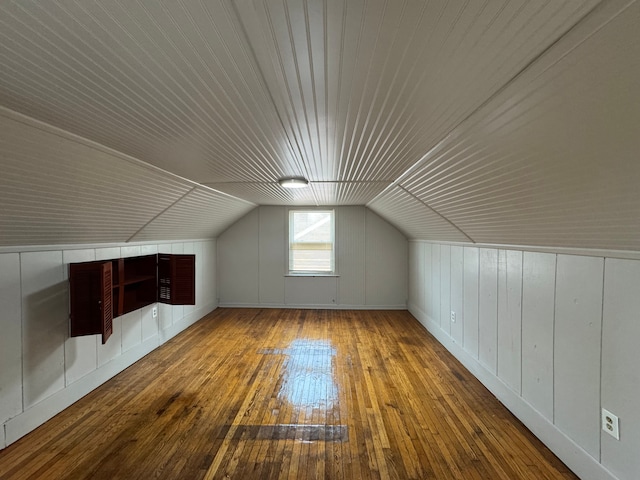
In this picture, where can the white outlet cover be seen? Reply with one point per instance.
(154, 312)
(610, 424)
(453, 316)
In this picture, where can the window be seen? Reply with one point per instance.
(311, 234)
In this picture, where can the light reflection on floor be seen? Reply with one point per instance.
(307, 375)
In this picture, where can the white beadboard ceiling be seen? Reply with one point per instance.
(496, 121)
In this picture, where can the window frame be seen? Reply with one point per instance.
(289, 250)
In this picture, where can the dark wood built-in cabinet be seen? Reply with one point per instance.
(103, 290)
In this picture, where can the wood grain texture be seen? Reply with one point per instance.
(300, 394)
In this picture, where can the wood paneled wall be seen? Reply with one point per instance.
(554, 336)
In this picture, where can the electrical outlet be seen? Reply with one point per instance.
(453, 316)
(154, 312)
(610, 424)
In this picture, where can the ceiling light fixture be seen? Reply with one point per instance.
(293, 182)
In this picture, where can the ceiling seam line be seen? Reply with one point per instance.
(160, 213)
(234, 8)
(437, 213)
(497, 92)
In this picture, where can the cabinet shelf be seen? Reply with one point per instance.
(102, 290)
(136, 279)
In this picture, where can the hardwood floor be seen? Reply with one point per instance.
(297, 394)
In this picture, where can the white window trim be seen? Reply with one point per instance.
(307, 273)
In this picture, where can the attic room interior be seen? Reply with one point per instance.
(453, 292)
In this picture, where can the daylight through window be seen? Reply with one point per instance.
(311, 245)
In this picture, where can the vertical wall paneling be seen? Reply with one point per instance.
(416, 275)
(620, 373)
(445, 288)
(457, 293)
(435, 282)
(131, 329)
(80, 353)
(385, 262)
(371, 262)
(238, 263)
(488, 309)
(538, 306)
(178, 310)
(44, 324)
(350, 256)
(310, 291)
(427, 281)
(577, 339)
(273, 261)
(471, 275)
(510, 318)
(10, 340)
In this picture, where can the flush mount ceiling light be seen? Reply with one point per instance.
(293, 182)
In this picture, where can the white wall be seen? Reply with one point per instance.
(42, 369)
(553, 336)
(371, 263)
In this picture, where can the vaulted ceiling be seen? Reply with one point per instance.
(496, 121)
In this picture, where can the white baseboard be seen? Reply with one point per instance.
(313, 307)
(30, 419)
(577, 459)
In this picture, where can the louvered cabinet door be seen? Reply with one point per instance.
(177, 279)
(91, 299)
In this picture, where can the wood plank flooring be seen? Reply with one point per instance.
(288, 394)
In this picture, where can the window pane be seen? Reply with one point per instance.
(311, 241)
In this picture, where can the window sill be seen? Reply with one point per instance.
(311, 275)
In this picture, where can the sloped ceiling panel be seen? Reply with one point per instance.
(366, 88)
(171, 83)
(552, 160)
(240, 91)
(202, 213)
(414, 218)
(54, 190)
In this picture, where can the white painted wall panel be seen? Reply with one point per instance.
(44, 324)
(510, 318)
(488, 309)
(538, 310)
(273, 226)
(415, 249)
(150, 325)
(10, 340)
(427, 281)
(620, 365)
(457, 293)
(238, 262)
(131, 330)
(113, 348)
(434, 283)
(445, 288)
(471, 299)
(350, 256)
(371, 261)
(417, 275)
(310, 291)
(578, 327)
(80, 353)
(385, 263)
